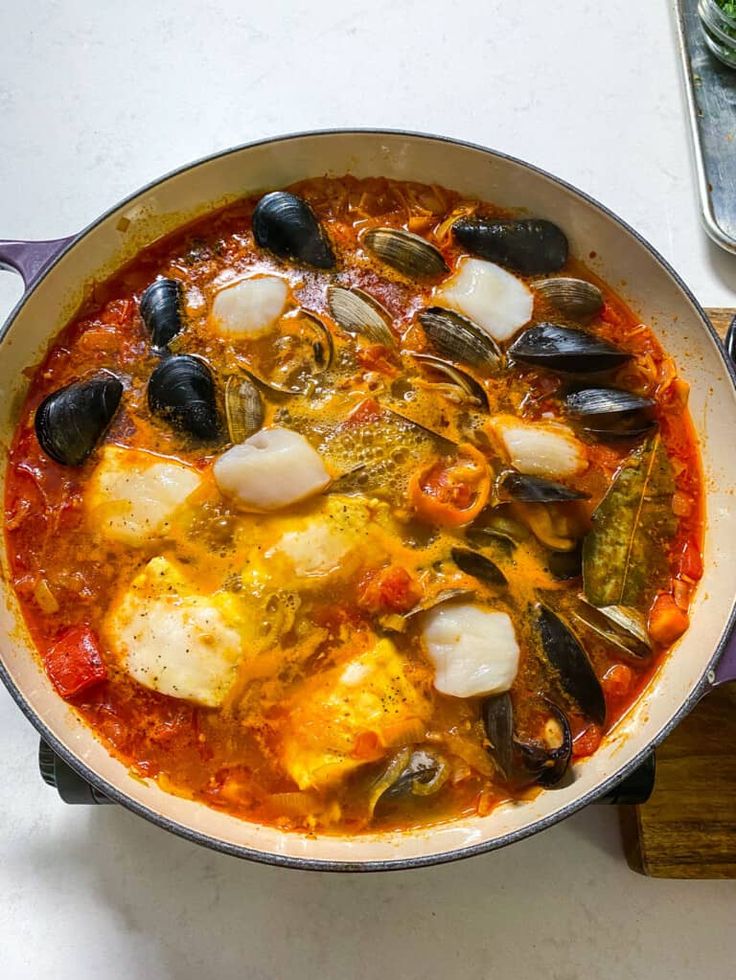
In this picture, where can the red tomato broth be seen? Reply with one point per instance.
(228, 758)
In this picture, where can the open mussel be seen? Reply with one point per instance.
(286, 225)
(511, 485)
(621, 627)
(161, 309)
(497, 526)
(565, 565)
(454, 336)
(70, 422)
(550, 510)
(538, 749)
(358, 313)
(407, 253)
(182, 391)
(529, 245)
(610, 413)
(244, 410)
(478, 566)
(424, 774)
(410, 773)
(566, 350)
(577, 298)
(469, 389)
(574, 670)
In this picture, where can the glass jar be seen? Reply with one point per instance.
(719, 29)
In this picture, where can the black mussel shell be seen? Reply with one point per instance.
(565, 565)
(588, 402)
(286, 225)
(575, 671)
(610, 413)
(425, 773)
(511, 485)
(548, 762)
(70, 422)
(497, 714)
(521, 755)
(161, 310)
(566, 350)
(496, 525)
(456, 337)
(620, 626)
(477, 565)
(529, 246)
(182, 391)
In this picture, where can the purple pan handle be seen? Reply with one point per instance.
(31, 258)
(725, 669)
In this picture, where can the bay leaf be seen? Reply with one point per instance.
(625, 553)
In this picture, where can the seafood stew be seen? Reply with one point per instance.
(354, 506)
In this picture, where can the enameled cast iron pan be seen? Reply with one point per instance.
(58, 275)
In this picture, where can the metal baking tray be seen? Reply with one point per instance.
(711, 97)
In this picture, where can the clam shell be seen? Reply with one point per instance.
(407, 253)
(310, 352)
(470, 387)
(358, 313)
(576, 297)
(244, 410)
(454, 336)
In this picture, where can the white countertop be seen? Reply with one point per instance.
(96, 99)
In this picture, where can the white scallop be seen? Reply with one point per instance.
(547, 449)
(274, 468)
(474, 650)
(133, 495)
(250, 307)
(488, 295)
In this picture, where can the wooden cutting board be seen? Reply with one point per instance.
(687, 829)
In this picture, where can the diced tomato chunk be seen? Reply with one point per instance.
(367, 746)
(587, 741)
(391, 589)
(376, 357)
(75, 662)
(367, 411)
(691, 561)
(616, 682)
(667, 622)
(610, 315)
(118, 311)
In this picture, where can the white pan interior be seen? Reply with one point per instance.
(621, 259)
